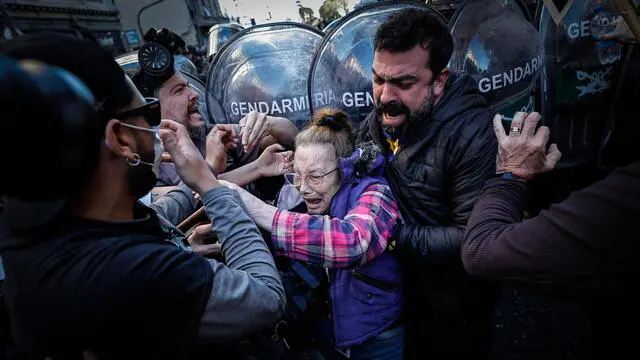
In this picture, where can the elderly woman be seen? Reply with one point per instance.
(350, 216)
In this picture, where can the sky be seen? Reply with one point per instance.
(280, 9)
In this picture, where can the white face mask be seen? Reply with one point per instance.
(157, 147)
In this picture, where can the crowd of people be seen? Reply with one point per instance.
(393, 240)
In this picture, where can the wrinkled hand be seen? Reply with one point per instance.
(254, 128)
(274, 161)
(621, 34)
(190, 165)
(220, 139)
(262, 214)
(199, 238)
(251, 202)
(524, 153)
(231, 185)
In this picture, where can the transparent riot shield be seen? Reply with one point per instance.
(332, 25)
(497, 45)
(264, 68)
(182, 63)
(219, 35)
(576, 87)
(341, 75)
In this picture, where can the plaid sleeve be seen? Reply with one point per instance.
(362, 235)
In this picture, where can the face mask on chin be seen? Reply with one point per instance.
(141, 180)
(143, 174)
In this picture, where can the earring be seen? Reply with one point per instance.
(135, 161)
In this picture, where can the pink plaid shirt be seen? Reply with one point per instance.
(362, 235)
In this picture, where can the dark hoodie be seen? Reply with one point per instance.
(436, 177)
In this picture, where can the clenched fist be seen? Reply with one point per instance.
(190, 165)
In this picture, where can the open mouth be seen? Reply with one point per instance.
(394, 112)
(313, 202)
(393, 119)
(393, 115)
(194, 113)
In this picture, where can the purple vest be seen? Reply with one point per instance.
(365, 300)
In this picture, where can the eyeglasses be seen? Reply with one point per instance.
(150, 111)
(313, 180)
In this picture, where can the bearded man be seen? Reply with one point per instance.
(436, 130)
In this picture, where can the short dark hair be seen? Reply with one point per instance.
(408, 28)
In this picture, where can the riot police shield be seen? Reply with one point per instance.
(182, 63)
(332, 25)
(341, 75)
(576, 86)
(219, 35)
(264, 68)
(495, 43)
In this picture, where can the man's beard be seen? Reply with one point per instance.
(398, 108)
(197, 132)
(198, 135)
(141, 178)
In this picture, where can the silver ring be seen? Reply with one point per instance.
(135, 161)
(515, 129)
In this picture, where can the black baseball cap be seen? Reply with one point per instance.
(85, 59)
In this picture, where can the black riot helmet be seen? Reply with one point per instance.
(156, 59)
(64, 148)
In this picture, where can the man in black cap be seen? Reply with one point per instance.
(157, 78)
(88, 267)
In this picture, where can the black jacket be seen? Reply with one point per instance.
(436, 176)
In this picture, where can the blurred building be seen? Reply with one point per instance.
(191, 19)
(99, 17)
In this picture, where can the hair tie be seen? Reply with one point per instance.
(330, 122)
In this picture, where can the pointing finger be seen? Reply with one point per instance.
(530, 123)
(498, 128)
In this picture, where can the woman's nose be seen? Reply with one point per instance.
(305, 188)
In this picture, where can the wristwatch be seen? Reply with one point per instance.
(510, 175)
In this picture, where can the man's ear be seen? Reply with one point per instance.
(120, 142)
(440, 82)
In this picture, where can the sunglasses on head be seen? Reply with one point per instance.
(150, 111)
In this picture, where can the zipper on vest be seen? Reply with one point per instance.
(376, 283)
